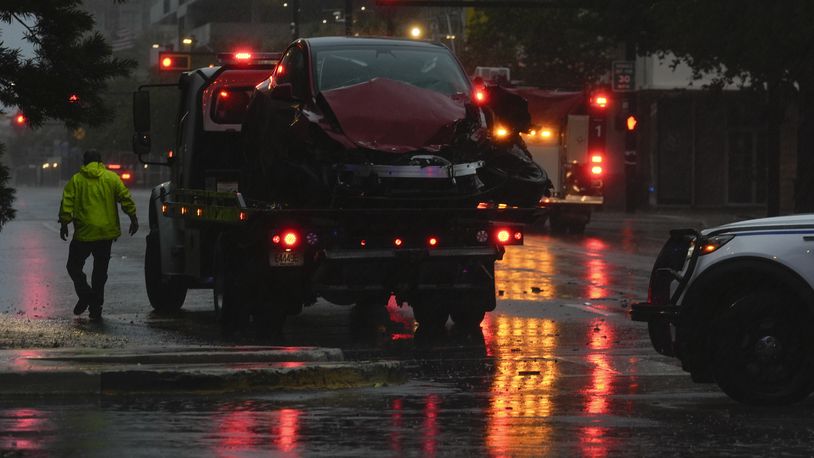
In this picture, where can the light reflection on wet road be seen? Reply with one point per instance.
(559, 369)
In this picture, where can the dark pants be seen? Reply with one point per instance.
(93, 295)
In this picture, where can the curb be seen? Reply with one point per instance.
(203, 370)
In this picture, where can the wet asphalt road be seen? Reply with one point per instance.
(559, 369)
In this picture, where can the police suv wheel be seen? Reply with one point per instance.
(763, 349)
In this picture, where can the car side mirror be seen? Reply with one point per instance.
(283, 91)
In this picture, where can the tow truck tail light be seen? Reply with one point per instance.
(398, 242)
(288, 238)
(596, 170)
(596, 159)
(508, 236)
(432, 241)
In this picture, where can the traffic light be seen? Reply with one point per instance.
(174, 61)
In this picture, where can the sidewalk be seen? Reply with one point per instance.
(186, 369)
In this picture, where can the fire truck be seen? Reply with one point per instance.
(567, 138)
(220, 224)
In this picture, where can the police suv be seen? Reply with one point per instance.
(735, 305)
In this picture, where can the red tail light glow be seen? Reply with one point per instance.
(20, 119)
(599, 101)
(127, 176)
(503, 235)
(398, 242)
(596, 159)
(596, 170)
(224, 94)
(432, 241)
(243, 55)
(479, 96)
(114, 166)
(290, 239)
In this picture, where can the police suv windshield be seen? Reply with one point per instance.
(428, 68)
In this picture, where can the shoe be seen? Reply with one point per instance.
(96, 314)
(80, 307)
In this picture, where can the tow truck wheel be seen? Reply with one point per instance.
(166, 295)
(431, 316)
(467, 318)
(226, 293)
(763, 349)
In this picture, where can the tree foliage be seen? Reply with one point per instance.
(65, 78)
(551, 47)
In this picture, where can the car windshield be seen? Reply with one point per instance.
(427, 68)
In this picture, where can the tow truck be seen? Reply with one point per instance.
(265, 258)
(567, 138)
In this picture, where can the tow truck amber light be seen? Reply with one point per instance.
(546, 133)
(184, 210)
(596, 159)
(503, 235)
(165, 209)
(596, 170)
(199, 212)
(501, 132)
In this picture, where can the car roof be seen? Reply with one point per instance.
(317, 43)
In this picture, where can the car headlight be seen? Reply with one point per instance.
(711, 244)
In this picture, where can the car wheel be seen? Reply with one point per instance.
(763, 348)
(166, 295)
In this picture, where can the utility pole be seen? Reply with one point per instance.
(348, 17)
(295, 19)
(631, 157)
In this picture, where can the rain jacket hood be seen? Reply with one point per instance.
(93, 170)
(90, 201)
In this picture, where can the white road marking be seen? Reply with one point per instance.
(587, 308)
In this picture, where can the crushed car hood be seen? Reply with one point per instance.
(391, 116)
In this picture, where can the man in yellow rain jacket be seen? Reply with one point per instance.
(89, 201)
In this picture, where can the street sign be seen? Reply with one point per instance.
(624, 76)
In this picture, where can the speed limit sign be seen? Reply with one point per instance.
(624, 76)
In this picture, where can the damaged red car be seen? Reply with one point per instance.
(373, 122)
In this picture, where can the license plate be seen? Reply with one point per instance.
(285, 259)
